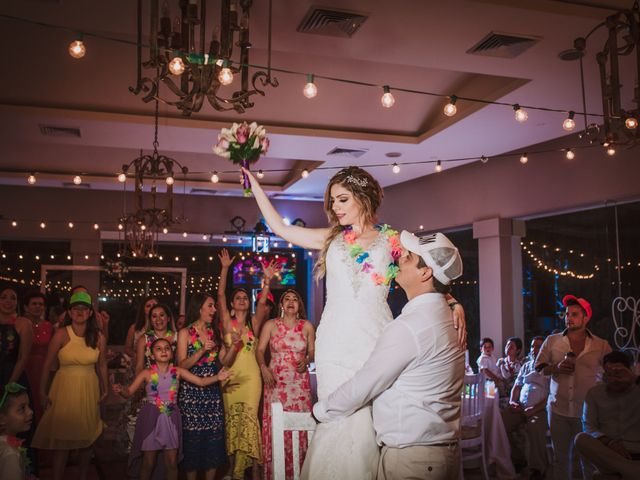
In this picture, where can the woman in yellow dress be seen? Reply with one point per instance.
(71, 418)
(243, 392)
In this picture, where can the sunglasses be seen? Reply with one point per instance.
(11, 388)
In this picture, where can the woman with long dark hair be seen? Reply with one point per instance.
(71, 418)
(137, 329)
(159, 324)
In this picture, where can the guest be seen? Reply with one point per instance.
(159, 427)
(159, 324)
(71, 418)
(16, 339)
(415, 374)
(57, 315)
(242, 395)
(487, 363)
(102, 316)
(137, 329)
(573, 359)
(34, 308)
(527, 406)
(508, 367)
(611, 418)
(203, 432)
(15, 418)
(290, 339)
(180, 322)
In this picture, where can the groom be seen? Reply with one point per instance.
(415, 373)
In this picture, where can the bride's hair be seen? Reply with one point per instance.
(368, 195)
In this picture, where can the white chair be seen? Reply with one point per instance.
(472, 423)
(281, 422)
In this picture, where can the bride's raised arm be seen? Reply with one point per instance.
(304, 237)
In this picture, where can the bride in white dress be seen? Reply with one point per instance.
(357, 258)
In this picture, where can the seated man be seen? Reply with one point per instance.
(611, 418)
(527, 406)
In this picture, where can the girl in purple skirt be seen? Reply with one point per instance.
(159, 426)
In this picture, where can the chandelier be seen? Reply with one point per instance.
(619, 126)
(142, 227)
(193, 69)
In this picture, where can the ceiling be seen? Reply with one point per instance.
(412, 44)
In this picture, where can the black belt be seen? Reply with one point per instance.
(449, 444)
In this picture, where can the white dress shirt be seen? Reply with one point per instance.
(414, 376)
(534, 385)
(567, 392)
(488, 362)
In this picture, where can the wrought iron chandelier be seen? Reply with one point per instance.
(142, 227)
(194, 70)
(620, 126)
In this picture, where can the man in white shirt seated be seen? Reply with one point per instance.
(415, 374)
(527, 406)
(611, 440)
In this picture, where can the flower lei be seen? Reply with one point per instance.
(249, 344)
(361, 256)
(16, 443)
(211, 355)
(165, 407)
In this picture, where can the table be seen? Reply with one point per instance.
(497, 448)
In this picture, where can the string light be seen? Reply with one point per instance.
(14, 223)
(521, 114)
(122, 177)
(450, 108)
(224, 239)
(43, 225)
(120, 226)
(387, 99)
(260, 174)
(540, 264)
(77, 180)
(305, 173)
(176, 66)
(570, 154)
(184, 234)
(524, 159)
(165, 230)
(70, 224)
(569, 123)
(226, 75)
(631, 123)
(395, 168)
(169, 180)
(96, 226)
(215, 178)
(77, 48)
(611, 150)
(310, 90)
(438, 166)
(31, 179)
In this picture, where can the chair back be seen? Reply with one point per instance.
(472, 405)
(297, 423)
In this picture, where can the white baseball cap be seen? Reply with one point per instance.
(438, 253)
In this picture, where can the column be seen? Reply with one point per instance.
(500, 278)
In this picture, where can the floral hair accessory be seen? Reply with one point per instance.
(12, 388)
(361, 182)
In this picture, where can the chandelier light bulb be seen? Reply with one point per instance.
(165, 230)
(310, 90)
(524, 159)
(31, 179)
(169, 180)
(305, 173)
(96, 226)
(631, 123)
(611, 151)
(122, 178)
(521, 113)
(438, 166)
(569, 123)
(260, 174)
(226, 75)
(387, 98)
(43, 225)
(14, 223)
(120, 226)
(176, 66)
(395, 168)
(215, 178)
(450, 108)
(224, 239)
(484, 159)
(184, 234)
(570, 154)
(77, 180)
(77, 49)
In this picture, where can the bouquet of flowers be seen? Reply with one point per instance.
(242, 144)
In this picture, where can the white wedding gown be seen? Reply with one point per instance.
(354, 315)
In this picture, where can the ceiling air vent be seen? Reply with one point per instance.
(331, 22)
(73, 185)
(203, 191)
(52, 131)
(348, 152)
(503, 45)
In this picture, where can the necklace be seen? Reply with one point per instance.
(211, 355)
(249, 344)
(362, 257)
(168, 406)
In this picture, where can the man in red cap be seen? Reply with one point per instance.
(573, 359)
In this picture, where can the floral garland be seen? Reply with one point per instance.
(151, 337)
(25, 461)
(249, 344)
(211, 355)
(361, 256)
(165, 407)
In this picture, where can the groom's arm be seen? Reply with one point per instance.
(394, 350)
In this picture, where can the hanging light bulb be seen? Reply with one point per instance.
(169, 180)
(569, 123)
(165, 230)
(260, 174)
(305, 173)
(122, 177)
(120, 226)
(176, 66)
(14, 223)
(524, 159)
(96, 226)
(226, 75)
(184, 234)
(224, 239)
(215, 178)
(484, 159)
(77, 180)
(450, 108)
(521, 113)
(395, 168)
(310, 90)
(70, 224)
(438, 166)
(611, 151)
(387, 98)
(631, 123)
(570, 154)
(77, 48)
(43, 225)
(31, 179)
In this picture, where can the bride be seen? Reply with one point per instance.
(357, 258)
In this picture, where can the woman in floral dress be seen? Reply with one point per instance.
(290, 339)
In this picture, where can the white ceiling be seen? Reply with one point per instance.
(413, 44)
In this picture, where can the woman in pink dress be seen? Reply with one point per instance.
(290, 339)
